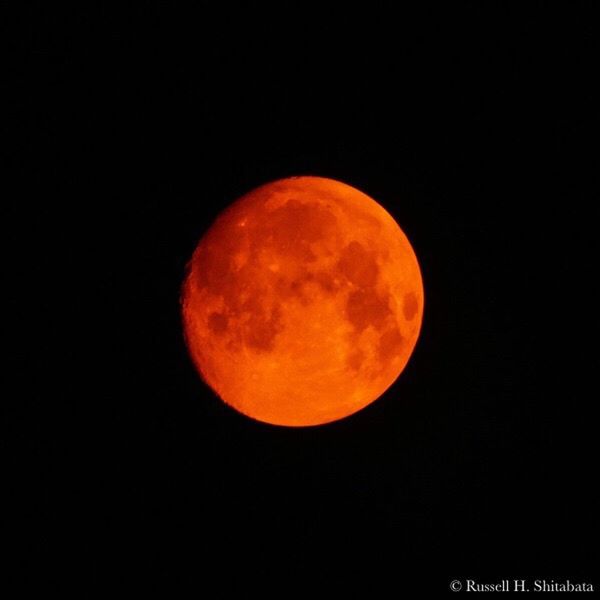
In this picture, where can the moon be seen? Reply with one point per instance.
(302, 303)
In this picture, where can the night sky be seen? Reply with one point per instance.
(135, 128)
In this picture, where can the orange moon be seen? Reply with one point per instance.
(303, 302)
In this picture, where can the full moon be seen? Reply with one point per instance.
(303, 302)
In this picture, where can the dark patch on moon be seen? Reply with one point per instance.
(358, 265)
(326, 282)
(217, 322)
(389, 344)
(355, 359)
(262, 329)
(299, 287)
(365, 308)
(410, 306)
(292, 227)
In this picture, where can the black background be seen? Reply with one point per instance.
(135, 127)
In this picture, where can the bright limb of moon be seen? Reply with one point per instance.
(303, 302)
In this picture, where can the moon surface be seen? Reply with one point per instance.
(303, 302)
